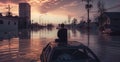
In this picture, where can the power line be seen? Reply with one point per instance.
(114, 7)
(110, 8)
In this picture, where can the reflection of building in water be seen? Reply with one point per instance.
(24, 34)
(24, 41)
(8, 35)
(8, 46)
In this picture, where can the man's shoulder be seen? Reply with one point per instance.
(63, 29)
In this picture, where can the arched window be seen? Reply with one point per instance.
(14, 23)
(8, 22)
(1, 21)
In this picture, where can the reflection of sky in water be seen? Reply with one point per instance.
(28, 46)
(44, 34)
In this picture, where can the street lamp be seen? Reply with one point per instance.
(88, 6)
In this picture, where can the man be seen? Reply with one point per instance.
(62, 35)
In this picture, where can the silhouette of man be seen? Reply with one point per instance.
(62, 35)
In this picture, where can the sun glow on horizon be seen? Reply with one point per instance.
(49, 18)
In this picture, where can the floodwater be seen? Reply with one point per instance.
(26, 45)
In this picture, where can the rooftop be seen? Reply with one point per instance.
(113, 14)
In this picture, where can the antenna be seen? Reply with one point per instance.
(9, 9)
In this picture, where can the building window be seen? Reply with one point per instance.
(8, 22)
(1, 21)
(14, 23)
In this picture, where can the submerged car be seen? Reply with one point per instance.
(71, 52)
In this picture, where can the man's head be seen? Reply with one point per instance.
(62, 25)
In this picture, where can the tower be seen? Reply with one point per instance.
(25, 15)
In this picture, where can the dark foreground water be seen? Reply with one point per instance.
(26, 45)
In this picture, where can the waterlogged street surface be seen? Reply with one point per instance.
(26, 45)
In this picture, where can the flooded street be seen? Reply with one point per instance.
(27, 26)
(26, 45)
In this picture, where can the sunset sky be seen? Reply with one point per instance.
(56, 11)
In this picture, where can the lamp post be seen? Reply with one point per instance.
(88, 6)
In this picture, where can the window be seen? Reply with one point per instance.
(1, 21)
(8, 22)
(14, 23)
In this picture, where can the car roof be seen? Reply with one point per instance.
(70, 45)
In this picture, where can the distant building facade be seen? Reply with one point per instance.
(111, 20)
(25, 15)
(8, 23)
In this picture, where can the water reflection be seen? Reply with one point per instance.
(24, 42)
(26, 45)
(8, 47)
(8, 35)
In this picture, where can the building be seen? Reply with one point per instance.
(8, 23)
(111, 20)
(25, 15)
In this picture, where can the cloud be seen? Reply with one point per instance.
(44, 6)
(56, 4)
(12, 1)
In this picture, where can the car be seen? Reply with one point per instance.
(71, 52)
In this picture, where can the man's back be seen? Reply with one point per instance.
(62, 34)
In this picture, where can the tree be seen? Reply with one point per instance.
(101, 10)
(74, 21)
